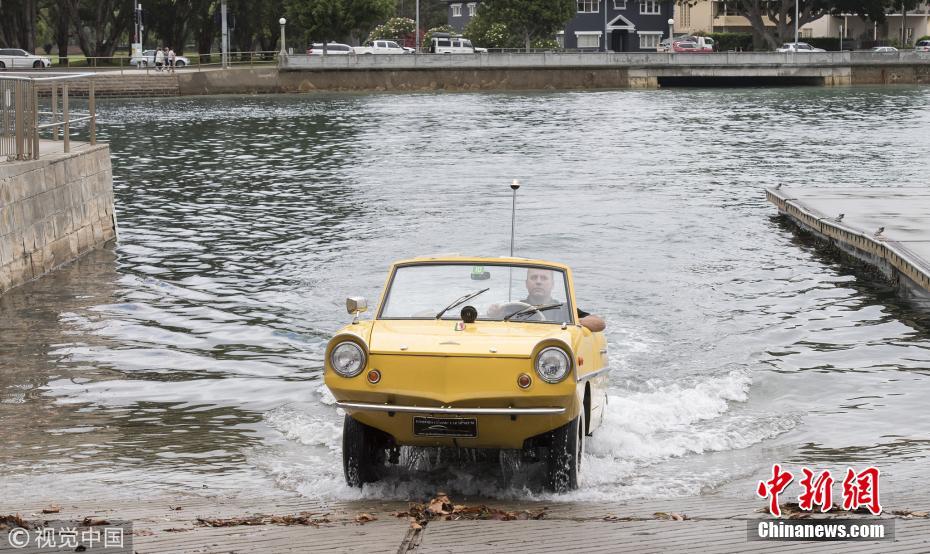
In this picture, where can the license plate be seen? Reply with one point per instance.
(445, 427)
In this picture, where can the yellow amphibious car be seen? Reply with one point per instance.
(471, 353)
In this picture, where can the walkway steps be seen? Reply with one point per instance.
(886, 228)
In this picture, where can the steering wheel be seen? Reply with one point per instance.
(514, 307)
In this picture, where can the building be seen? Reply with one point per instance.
(719, 16)
(630, 25)
(865, 32)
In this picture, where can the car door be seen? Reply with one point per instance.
(18, 58)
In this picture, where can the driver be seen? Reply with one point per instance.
(539, 283)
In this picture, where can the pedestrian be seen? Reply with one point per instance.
(159, 59)
(171, 58)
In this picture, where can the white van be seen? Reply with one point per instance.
(444, 43)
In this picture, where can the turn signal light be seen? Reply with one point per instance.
(374, 376)
(524, 381)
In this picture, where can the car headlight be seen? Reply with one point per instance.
(552, 364)
(347, 359)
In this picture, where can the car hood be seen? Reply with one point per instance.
(440, 338)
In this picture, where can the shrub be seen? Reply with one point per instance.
(732, 41)
(393, 29)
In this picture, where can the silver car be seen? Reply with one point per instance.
(148, 59)
(15, 58)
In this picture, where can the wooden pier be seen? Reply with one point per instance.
(886, 228)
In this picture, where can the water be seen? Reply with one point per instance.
(188, 356)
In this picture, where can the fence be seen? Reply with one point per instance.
(23, 119)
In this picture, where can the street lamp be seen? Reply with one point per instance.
(671, 31)
(283, 52)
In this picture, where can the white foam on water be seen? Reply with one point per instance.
(645, 430)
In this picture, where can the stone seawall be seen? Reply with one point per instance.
(52, 210)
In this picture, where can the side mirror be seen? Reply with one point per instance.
(356, 304)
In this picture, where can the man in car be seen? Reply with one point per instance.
(539, 283)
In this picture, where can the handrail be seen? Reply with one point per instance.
(20, 111)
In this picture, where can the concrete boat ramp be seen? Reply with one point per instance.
(711, 524)
(886, 228)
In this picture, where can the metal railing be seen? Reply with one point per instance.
(23, 117)
(135, 65)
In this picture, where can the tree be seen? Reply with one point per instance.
(494, 34)
(433, 13)
(328, 20)
(99, 23)
(529, 19)
(18, 24)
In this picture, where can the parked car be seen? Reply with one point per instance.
(444, 43)
(332, 48)
(688, 43)
(922, 46)
(883, 49)
(147, 59)
(15, 58)
(798, 47)
(381, 47)
(452, 358)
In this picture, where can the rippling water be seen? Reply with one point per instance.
(189, 355)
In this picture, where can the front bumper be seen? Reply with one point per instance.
(394, 408)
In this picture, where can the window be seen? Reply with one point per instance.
(456, 10)
(588, 39)
(649, 41)
(588, 6)
(560, 38)
(471, 9)
(649, 7)
(619, 4)
(685, 15)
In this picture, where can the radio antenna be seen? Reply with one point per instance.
(513, 213)
(513, 225)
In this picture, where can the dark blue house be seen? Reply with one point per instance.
(630, 25)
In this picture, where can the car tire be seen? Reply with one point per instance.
(179, 64)
(38, 65)
(360, 452)
(143, 64)
(2, 66)
(566, 450)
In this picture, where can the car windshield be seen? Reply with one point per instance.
(423, 291)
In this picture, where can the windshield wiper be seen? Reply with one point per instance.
(531, 309)
(461, 300)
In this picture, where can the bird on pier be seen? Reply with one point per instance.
(880, 231)
(778, 187)
(840, 217)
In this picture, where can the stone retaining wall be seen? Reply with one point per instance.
(53, 210)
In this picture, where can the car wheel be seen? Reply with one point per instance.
(143, 63)
(566, 450)
(38, 65)
(360, 452)
(2, 66)
(178, 64)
